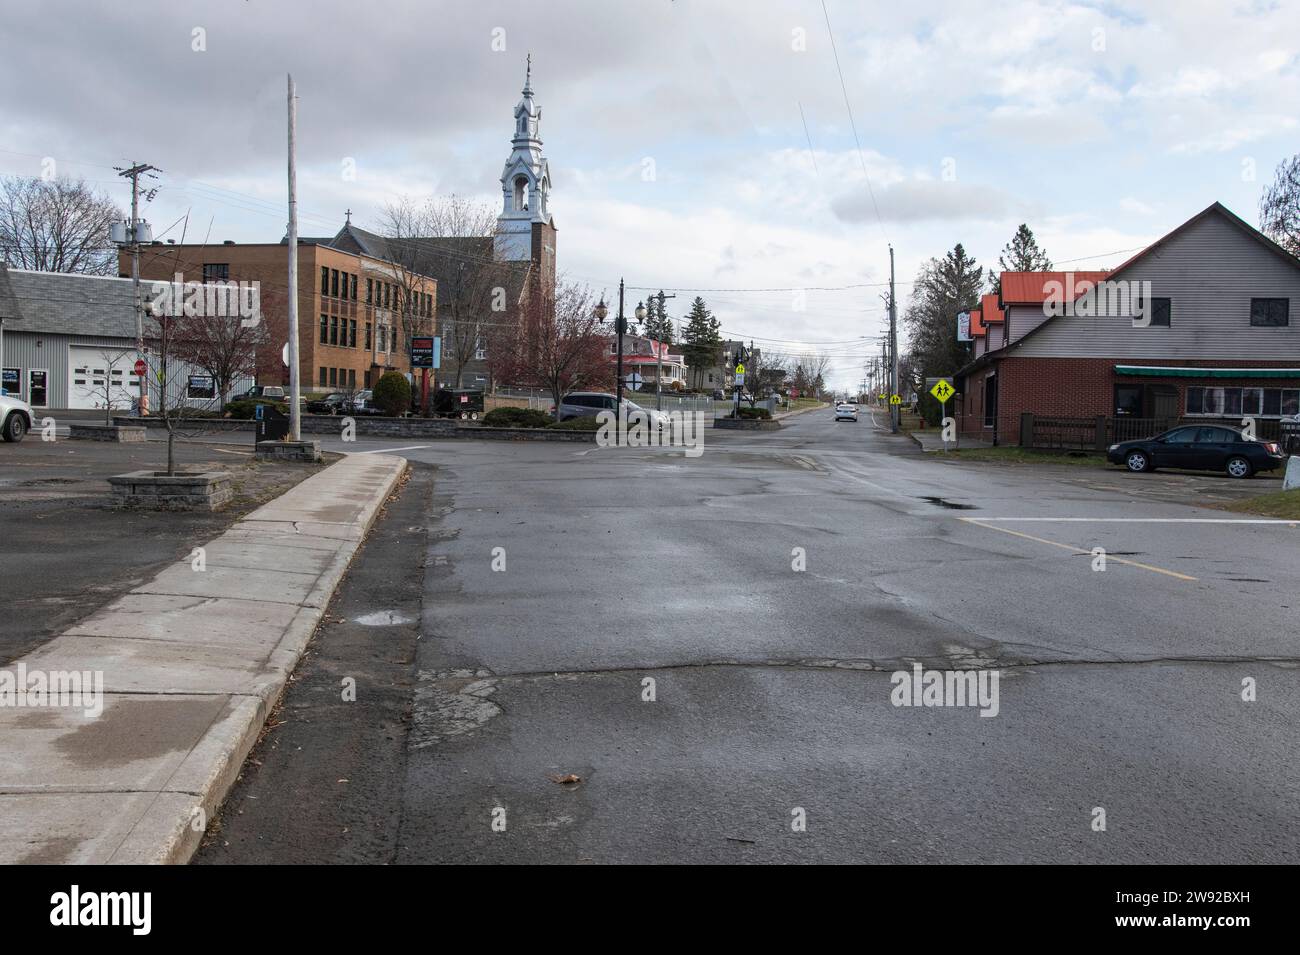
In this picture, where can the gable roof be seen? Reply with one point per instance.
(65, 303)
(1219, 209)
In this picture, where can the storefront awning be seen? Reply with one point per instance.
(1161, 371)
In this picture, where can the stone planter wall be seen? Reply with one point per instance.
(201, 491)
(747, 424)
(288, 450)
(107, 432)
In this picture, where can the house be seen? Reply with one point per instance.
(647, 357)
(68, 341)
(1203, 324)
(722, 376)
(355, 311)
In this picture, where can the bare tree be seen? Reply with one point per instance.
(814, 366)
(1279, 206)
(451, 239)
(102, 386)
(57, 225)
(224, 346)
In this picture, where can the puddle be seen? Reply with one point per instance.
(951, 505)
(383, 618)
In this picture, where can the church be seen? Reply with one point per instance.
(472, 269)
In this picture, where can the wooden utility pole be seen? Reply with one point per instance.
(295, 384)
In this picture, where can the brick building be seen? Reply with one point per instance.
(355, 311)
(1201, 325)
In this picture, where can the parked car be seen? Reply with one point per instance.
(265, 393)
(584, 404)
(846, 412)
(15, 418)
(1199, 448)
(363, 404)
(335, 402)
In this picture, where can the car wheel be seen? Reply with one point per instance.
(464, 416)
(15, 427)
(1138, 461)
(473, 416)
(1239, 467)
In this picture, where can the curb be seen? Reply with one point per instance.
(234, 737)
(193, 666)
(791, 414)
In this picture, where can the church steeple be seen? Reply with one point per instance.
(525, 180)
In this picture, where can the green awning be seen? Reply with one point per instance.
(1161, 371)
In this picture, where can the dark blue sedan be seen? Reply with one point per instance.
(1199, 448)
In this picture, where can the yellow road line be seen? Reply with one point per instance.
(1077, 550)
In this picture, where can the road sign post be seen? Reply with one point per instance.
(943, 391)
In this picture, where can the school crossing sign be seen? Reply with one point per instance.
(943, 390)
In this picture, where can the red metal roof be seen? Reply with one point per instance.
(1033, 288)
(977, 328)
(989, 309)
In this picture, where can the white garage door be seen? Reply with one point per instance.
(97, 375)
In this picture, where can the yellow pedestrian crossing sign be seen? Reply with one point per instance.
(740, 369)
(943, 390)
(895, 400)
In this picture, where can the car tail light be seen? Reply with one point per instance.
(1273, 447)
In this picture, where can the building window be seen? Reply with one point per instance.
(352, 379)
(324, 329)
(1235, 402)
(334, 330)
(334, 283)
(367, 336)
(1161, 311)
(480, 351)
(388, 295)
(382, 332)
(216, 272)
(352, 333)
(334, 377)
(1269, 312)
(370, 291)
(354, 288)
(324, 280)
(322, 376)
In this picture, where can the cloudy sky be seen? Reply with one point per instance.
(693, 144)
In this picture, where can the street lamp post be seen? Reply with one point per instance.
(620, 329)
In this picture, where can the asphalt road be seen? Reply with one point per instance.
(1119, 690)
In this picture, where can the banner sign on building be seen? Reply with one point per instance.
(963, 326)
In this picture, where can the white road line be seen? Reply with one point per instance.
(1138, 520)
(410, 447)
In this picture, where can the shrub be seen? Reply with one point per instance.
(588, 423)
(392, 394)
(247, 407)
(517, 418)
(761, 413)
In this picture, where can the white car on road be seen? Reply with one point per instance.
(846, 412)
(15, 418)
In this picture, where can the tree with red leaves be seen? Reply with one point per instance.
(557, 343)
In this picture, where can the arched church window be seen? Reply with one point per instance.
(521, 193)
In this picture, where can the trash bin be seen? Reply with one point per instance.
(272, 424)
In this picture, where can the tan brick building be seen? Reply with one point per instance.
(355, 312)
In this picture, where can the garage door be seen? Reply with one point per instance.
(96, 375)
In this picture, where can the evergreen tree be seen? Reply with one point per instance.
(942, 288)
(657, 324)
(1021, 254)
(701, 338)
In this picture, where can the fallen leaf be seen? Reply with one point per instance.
(567, 779)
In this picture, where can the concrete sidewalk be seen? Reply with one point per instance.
(192, 663)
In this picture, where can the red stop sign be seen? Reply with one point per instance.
(140, 366)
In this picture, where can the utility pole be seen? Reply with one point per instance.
(659, 364)
(295, 385)
(134, 173)
(893, 347)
